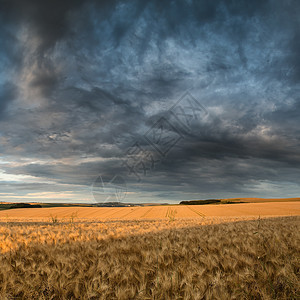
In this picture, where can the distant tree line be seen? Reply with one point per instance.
(200, 202)
(25, 205)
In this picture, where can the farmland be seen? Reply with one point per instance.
(156, 212)
(240, 251)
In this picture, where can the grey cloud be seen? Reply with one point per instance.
(99, 74)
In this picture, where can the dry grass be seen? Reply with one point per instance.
(158, 259)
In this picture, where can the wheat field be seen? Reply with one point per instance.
(253, 210)
(205, 257)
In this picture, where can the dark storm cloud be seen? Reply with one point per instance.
(7, 94)
(84, 80)
(47, 19)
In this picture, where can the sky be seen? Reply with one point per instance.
(149, 101)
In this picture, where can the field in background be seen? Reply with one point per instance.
(155, 212)
(260, 200)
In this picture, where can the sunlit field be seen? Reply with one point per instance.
(287, 208)
(169, 252)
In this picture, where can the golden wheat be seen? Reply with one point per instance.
(256, 259)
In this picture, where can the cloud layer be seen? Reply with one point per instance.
(82, 81)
